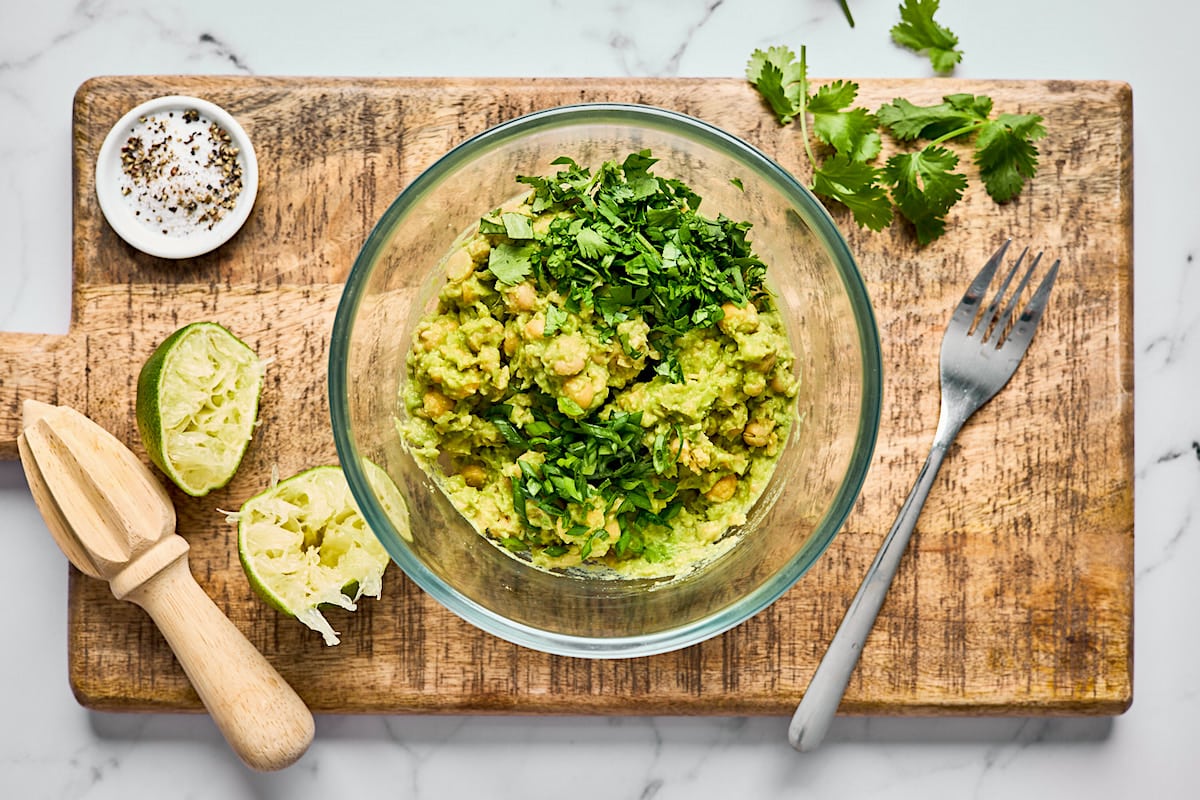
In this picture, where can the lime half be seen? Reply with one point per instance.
(304, 544)
(197, 404)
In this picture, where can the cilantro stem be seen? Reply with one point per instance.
(963, 131)
(846, 11)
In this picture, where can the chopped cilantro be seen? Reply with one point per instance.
(635, 244)
(590, 461)
(555, 318)
(616, 244)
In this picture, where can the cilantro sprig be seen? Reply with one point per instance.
(1004, 149)
(922, 185)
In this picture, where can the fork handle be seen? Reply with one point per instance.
(821, 699)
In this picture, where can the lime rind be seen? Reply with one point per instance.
(197, 405)
(304, 544)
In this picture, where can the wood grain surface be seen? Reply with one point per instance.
(1015, 597)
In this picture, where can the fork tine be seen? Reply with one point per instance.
(968, 308)
(1022, 331)
(985, 326)
(1002, 326)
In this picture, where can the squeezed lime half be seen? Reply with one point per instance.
(304, 544)
(197, 405)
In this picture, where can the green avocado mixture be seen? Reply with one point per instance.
(605, 380)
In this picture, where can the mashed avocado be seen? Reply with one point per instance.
(605, 380)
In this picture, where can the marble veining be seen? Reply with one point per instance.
(51, 748)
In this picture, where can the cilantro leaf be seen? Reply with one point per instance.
(853, 133)
(489, 225)
(907, 121)
(918, 31)
(511, 263)
(517, 226)
(854, 185)
(779, 79)
(555, 318)
(924, 187)
(591, 243)
(1006, 155)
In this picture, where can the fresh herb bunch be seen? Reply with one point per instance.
(921, 184)
(633, 244)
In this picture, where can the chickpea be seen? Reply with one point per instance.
(473, 475)
(470, 292)
(757, 433)
(697, 459)
(479, 248)
(524, 296)
(432, 336)
(465, 388)
(738, 318)
(435, 404)
(580, 389)
(571, 364)
(723, 489)
(535, 327)
(459, 265)
(754, 384)
(511, 342)
(764, 364)
(779, 382)
(570, 355)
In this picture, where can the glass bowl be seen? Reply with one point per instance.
(820, 471)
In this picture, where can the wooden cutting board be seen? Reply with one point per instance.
(1016, 594)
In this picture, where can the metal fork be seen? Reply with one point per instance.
(980, 351)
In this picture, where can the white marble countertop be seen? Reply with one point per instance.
(51, 747)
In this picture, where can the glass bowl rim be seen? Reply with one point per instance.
(814, 214)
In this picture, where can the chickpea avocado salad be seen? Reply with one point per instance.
(605, 381)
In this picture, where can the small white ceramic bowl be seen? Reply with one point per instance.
(157, 185)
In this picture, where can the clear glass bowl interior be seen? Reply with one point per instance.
(830, 324)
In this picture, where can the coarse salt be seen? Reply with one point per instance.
(180, 172)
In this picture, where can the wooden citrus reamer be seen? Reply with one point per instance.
(114, 521)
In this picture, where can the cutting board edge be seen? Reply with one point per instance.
(1101, 706)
